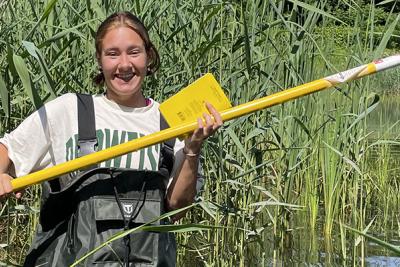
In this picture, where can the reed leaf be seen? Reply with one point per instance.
(393, 248)
(181, 228)
(383, 142)
(361, 116)
(35, 52)
(235, 139)
(23, 73)
(385, 2)
(345, 159)
(386, 37)
(48, 8)
(65, 33)
(247, 46)
(316, 10)
(5, 98)
(365, 230)
(275, 203)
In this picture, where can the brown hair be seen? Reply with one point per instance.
(130, 21)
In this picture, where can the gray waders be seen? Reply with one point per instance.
(80, 212)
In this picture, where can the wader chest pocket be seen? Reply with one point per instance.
(109, 221)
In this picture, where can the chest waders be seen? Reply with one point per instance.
(81, 211)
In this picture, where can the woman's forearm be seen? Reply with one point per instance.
(182, 189)
(5, 178)
(5, 161)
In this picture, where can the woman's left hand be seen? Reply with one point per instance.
(205, 129)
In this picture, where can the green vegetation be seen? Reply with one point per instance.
(288, 178)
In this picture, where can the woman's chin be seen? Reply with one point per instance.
(126, 89)
(120, 92)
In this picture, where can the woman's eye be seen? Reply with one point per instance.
(133, 52)
(111, 54)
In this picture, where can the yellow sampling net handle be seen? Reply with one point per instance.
(228, 114)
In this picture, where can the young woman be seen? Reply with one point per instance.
(82, 210)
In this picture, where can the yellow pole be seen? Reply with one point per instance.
(243, 109)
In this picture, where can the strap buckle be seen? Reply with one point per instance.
(86, 147)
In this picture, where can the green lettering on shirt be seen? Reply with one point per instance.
(107, 138)
(141, 156)
(100, 139)
(108, 144)
(152, 160)
(131, 136)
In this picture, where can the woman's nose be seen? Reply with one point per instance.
(124, 62)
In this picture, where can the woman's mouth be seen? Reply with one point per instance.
(126, 77)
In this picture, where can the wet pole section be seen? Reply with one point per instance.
(228, 114)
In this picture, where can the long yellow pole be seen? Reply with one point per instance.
(240, 110)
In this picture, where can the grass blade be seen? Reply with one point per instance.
(35, 52)
(64, 33)
(316, 10)
(395, 249)
(235, 139)
(180, 228)
(247, 45)
(23, 73)
(361, 116)
(50, 5)
(385, 39)
(5, 98)
(385, 2)
(346, 159)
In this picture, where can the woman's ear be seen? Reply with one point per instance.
(98, 59)
(99, 67)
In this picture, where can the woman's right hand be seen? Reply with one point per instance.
(6, 187)
(5, 178)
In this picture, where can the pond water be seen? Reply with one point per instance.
(384, 121)
(302, 248)
(307, 247)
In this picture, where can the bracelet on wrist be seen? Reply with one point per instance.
(189, 154)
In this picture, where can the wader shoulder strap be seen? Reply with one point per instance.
(87, 140)
(167, 150)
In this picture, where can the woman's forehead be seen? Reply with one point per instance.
(121, 36)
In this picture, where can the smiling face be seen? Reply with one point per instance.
(123, 58)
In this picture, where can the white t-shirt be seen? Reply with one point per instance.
(49, 136)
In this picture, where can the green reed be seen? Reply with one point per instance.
(295, 166)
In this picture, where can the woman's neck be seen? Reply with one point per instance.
(134, 101)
